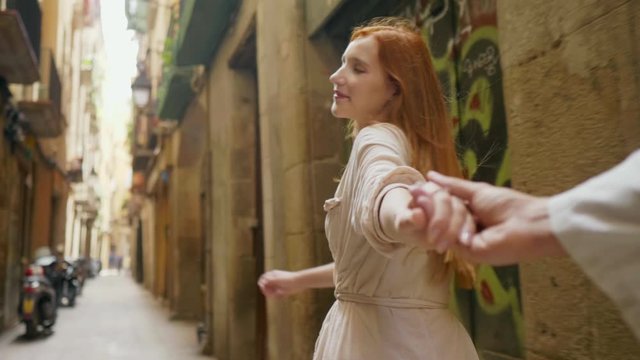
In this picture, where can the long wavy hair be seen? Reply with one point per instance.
(420, 111)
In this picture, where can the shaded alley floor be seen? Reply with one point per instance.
(113, 319)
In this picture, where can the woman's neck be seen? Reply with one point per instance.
(361, 124)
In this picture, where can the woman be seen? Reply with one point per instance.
(392, 294)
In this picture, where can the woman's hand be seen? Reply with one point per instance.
(279, 283)
(445, 219)
(426, 216)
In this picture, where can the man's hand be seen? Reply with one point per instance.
(516, 225)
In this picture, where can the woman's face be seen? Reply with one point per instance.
(361, 88)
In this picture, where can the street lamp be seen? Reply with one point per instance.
(141, 89)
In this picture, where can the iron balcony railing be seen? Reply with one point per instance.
(43, 113)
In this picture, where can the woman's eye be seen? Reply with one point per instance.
(358, 70)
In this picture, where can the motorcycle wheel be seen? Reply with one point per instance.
(32, 329)
(48, 311)
(71, 299)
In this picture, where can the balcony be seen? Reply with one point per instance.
(42, 114)
(86, 72)
(18, 61)
(31, 15)
(144, 142)
(74, 171)
(144, 138)
(139, 182)
(90, 11)
(86, 199)
(137, 12)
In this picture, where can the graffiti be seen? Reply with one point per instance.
(486, 61)
(426, 15)
(482, 121)
(463, 39)
(496, 299)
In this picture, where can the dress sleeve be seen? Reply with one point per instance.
(598, 223)
(382, 156)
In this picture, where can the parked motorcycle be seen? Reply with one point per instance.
(96, 267)
(81, 270)
(65, 282)
(38, 305)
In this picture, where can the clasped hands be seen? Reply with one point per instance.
(480, 222)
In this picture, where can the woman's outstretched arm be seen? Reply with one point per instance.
(280, 283)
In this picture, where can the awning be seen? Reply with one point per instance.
(175, 94)
(202, 27)
(319, 12)
(337, 18)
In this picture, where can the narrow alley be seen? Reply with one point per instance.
(114, 319)
(216, 171)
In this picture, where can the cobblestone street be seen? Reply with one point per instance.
(113, 319)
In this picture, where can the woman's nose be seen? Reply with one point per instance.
(335, 78)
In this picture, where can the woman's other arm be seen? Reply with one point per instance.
(279, 283)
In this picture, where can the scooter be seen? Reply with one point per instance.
(81, 267)
(38, 305)
(65, 282)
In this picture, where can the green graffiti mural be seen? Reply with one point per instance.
(463, 39)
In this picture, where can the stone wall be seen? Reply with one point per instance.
(302, 155)
(43, 186)
(231, 106)
(11, 232)
(185, 192)
(572, 83)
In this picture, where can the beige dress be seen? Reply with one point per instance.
(387, 307)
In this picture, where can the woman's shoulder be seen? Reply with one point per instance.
(381, 128)
(385, 134)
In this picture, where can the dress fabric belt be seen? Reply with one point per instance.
(402, 303)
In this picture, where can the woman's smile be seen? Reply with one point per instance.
(337, 95)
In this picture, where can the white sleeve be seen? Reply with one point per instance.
(598, 223)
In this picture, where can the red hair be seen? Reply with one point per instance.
(418, 108)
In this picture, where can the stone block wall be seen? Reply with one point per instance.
(571, 83)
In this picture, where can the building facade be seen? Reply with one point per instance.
(50, 149)
(34, 179)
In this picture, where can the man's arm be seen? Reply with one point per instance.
(598, 223)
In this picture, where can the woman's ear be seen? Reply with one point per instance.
(395, 86)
